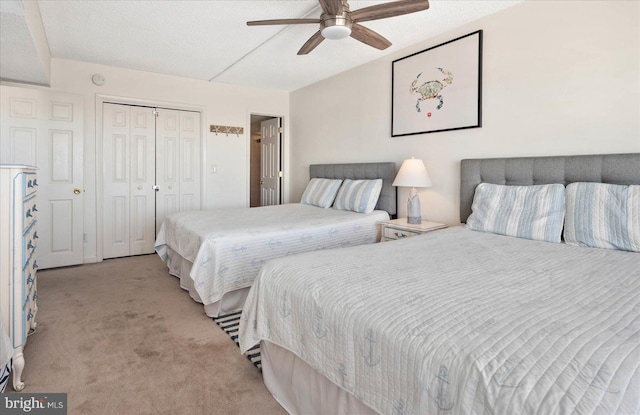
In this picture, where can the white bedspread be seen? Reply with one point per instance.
(228, 246)
(460, 322)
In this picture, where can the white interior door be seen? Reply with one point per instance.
(167, 164)
(128, 143)
(45, 129)
(190, 160)
(142, 233)
(178, 162)
(270, 162)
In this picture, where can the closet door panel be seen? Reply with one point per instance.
(190, 162)
(142, 206)
(116, 139)
(152, 168)
(167, 164)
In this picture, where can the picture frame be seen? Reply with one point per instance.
(438, 89)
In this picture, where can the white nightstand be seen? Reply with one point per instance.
(399, 228)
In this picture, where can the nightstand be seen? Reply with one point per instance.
(399, 228)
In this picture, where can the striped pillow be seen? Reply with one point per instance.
(528, 212)
(358, 195)
(320, 192)
(603, 215)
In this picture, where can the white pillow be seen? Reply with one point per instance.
(528, 212)
(601, 215)
(358, 195)
(321, 192)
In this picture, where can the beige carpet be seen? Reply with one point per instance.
(121, 337)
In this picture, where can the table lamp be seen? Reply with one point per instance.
(413, 174)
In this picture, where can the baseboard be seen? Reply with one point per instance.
(91, 260)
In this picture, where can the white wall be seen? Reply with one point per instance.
(559, 78)
(221, 104)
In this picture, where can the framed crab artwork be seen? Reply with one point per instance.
(438, 89)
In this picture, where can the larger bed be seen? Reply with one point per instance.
(458, 321)
(216, 254)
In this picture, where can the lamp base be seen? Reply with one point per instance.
(414, 215)
(414, 220)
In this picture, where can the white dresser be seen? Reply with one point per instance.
(18, 266)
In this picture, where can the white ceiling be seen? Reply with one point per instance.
(210, 40)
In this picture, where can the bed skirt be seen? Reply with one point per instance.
(181, 267)
(300, 390)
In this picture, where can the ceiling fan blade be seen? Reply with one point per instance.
(311, 44)
(281, 21)
(331, 7)
(382, 11)
(369, 37)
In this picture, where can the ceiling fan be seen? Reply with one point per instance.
(337, 21)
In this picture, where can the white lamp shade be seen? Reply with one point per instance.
(412, 173)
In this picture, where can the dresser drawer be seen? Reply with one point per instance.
(29, 212)
(30, 184)
(394, 233)
(29, 244)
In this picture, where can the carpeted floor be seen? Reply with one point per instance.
(121, 337)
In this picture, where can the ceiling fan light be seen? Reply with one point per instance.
(336, 32)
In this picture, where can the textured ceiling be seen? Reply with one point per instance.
(18, 56)
(210, 40)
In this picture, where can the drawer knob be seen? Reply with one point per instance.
(30, 245)
(400, 235)
(35, 235)
(34, 208)
(35, 265)
(28, 214)
(35, 182)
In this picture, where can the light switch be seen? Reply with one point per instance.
(214, 169)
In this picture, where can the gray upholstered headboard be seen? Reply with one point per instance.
(385, 171)
(601, 168)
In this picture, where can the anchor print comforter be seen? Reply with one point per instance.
(228, 246)
(460, 322)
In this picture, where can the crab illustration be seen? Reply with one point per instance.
(431, 89)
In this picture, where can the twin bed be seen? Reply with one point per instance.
(469, 320)
(217, 254)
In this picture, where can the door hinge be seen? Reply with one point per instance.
(155, 113)
(280, 130)
(280, 173)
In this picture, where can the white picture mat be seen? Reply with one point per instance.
(460, 99)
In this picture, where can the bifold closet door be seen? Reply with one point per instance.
(177, 162)
(128, 180)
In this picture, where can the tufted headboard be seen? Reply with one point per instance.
(385, 171)
(601, 168)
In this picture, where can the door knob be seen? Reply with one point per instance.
(261, 181)
(77, 191)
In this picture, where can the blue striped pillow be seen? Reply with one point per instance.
(528, 212)
(320, 192)
(358, 195)
(601, 215)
